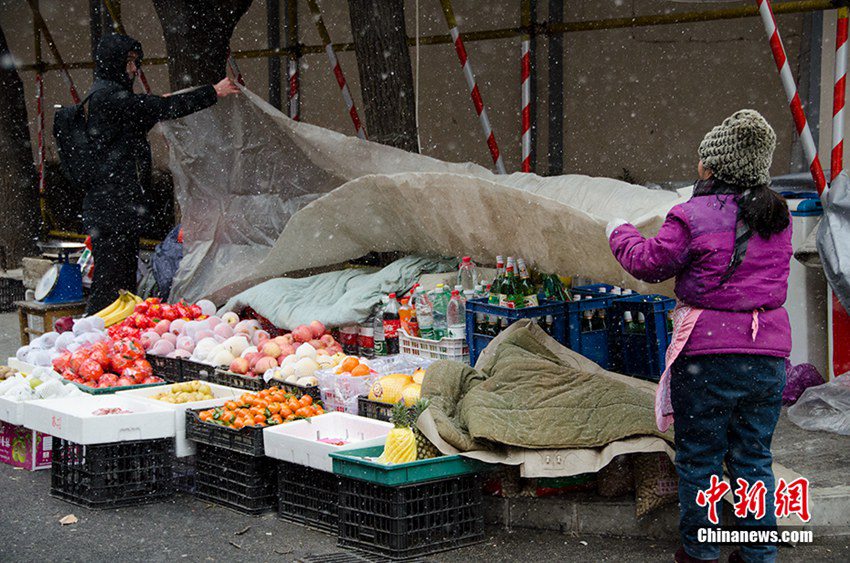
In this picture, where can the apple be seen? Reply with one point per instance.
(240, 366)
(270, 348)
(317, 328)
(302, 334)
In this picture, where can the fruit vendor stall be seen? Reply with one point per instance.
(321, 424)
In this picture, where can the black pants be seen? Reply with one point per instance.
(116, 255)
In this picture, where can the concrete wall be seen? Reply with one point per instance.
(635, 99)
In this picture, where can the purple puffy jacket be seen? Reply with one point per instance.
(695, 244)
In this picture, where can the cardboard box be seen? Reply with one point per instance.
(22, 447)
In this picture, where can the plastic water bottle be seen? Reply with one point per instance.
(456, 316)
(467, 274)
(424, 314)
(441, 328)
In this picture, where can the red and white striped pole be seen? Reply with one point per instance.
(837, 161)
(294, 95)
(525, 79)
(526, 106)
(336, 68)
(39, 126)
(474, 93)
(809, 148)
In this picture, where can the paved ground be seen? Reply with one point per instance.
(188, 529)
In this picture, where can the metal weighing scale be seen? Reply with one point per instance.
(63, 282)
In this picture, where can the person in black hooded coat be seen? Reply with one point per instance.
(118, 124)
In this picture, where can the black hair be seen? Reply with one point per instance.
(763, 210)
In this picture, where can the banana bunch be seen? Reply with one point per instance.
(120, 309)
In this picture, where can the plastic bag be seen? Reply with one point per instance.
(824, 407)
(797, 379)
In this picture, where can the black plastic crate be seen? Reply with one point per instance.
(194, 370)
(411, 520)
(248, 440)
(184, 474)
(298, 390)
(376, 410)
(12, 290)
(308, 496)
(241, 482)
(169, 369)
(112, 475)
(227, 378)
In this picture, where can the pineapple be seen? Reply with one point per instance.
(400, 446)
(424, 448)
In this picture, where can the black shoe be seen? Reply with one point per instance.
(736, 557)
(682, 556)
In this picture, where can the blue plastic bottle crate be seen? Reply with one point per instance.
(477, 341)
(592, 289)
(642, 354)
(596, 345)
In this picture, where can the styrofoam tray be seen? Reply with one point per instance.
(11, 411)
(297, 442)
(182, 446)
(22, 367)
(72, 418)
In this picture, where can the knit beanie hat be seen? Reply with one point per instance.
(739, 150)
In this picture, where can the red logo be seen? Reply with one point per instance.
(793, 498)
(750, 500)
(711, 496)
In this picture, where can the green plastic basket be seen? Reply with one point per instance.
(352, 463)
(110, 390)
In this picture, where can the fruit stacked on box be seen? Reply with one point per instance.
(266, 408)
(120, 363)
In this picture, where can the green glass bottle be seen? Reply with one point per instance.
(528, 289)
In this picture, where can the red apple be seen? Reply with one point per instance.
(302, 334)
(317, 328)
(240, 366)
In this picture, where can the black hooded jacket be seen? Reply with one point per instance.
(118, 124)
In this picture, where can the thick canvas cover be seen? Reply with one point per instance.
(262, 195)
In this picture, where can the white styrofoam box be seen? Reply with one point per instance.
(22, 367)
(182, 446)
(11, 411)
(298, 442)
(72, 418)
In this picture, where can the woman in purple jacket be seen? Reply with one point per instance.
(729, 248)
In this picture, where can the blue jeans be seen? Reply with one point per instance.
(726, 408)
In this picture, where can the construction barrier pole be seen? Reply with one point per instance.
(336, 68)
(39, 21)
(779, 56)
(474, 93)
(525, 80)
(119, 27)
(837, 161)
(293, 60)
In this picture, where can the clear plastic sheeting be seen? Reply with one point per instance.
(253, 187)
(825, 407)
(833, 238)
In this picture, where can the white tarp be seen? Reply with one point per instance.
(262, 195)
